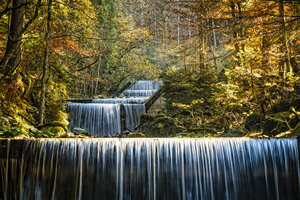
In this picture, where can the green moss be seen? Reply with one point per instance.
(159, 125)
(137, 134)
(296, 130)
(279, 123)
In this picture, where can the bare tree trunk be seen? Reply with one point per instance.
(214, 33)
(201, 44)
(178, 30)
(235, 32)
(45, 66)
(241, 32)
(285, 60)
(98, 75)
(13, 53)
(178, 27)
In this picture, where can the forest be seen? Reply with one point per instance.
(228, 67)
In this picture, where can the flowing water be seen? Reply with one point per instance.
(103, 116)
(133, 114)
(98, 119)
(143, 89)
(170, 169)
(121, 100)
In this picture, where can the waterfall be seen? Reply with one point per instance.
(98, 119)
(121, 100)
(133, 113)
(166, 168)
(102, 117)
(139, 93)
(143, 89)
(146, 85)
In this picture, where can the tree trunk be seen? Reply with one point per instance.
(13, 53)
(241, 32)
(285, 58)
(45, 66)
(235, 32)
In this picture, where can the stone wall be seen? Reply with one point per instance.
(159, 106)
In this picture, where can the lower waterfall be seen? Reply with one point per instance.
(166, 168)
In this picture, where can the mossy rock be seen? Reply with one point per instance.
(159, 125)
(252, 122)
(57, 130)
(136, 135)
(100, 96)
(296, 130)
(235, 132)
(279, 122)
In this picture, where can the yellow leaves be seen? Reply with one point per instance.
(194, 103)
(229, 47)
(128, 29)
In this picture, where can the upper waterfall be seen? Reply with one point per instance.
(103, 116)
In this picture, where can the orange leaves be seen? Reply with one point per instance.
(34, 76)
(63, 44)
(59, 51)
(88, 76)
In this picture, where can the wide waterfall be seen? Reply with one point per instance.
(103, 117)
(153, 169)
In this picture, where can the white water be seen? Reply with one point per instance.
(222, 169)
(133, 114)
(98, 119)
(143, 89)
(121, 100)
(139, 93)
(103, 116)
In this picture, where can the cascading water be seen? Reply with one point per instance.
(167, 169)
(139, 93)
(146, 85)
(133, 113)
(103, 116)
(98, 119)
(143, 89)
(121, 100)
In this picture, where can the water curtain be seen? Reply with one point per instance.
(181, 169)
(98, 119)
(103, 116)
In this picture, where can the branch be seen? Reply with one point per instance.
(92, 38)
(88, 65)
(36, 12)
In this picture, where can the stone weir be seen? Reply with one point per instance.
(149, 168)
(108, 117)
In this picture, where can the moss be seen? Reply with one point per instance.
(234, 132)
(252, 122)
(296, 130)
(279, 123)
(159, 125)
(137, 134)
(100, 96)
